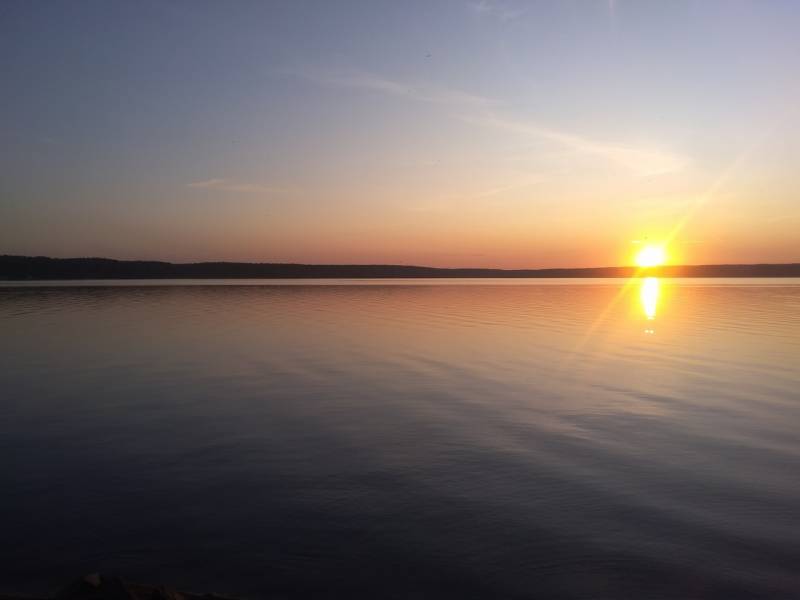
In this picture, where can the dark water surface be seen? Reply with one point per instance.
(465, 439)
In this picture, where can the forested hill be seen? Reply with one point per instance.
(40, 267)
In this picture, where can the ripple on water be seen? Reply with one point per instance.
(461, 439)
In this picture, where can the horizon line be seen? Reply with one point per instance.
(392, 265)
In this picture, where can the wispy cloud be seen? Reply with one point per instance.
(641, 160)
(500, 190)
(415, 91)
(208, 183)
(481, 110)
(225, 185)
(496, 9)
(778, 218)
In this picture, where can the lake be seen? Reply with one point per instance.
(404, 439)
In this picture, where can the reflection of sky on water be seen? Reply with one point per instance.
(350, 435)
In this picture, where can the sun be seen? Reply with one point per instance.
(651, 256)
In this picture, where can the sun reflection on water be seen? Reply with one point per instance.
(648, 294)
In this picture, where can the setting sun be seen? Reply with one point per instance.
(651, 256)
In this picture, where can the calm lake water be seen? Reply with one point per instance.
(405, 439)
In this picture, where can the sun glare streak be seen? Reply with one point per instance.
(574, 353)
(650, 256)
(720, 182)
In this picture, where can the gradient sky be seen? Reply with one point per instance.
(449, 133)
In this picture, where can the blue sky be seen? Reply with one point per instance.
(479, 133)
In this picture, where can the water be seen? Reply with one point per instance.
(411, 439)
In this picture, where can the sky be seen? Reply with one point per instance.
(480, 133)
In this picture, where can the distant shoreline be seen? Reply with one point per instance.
(22, 268)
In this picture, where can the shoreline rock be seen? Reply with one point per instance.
(95, 586)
